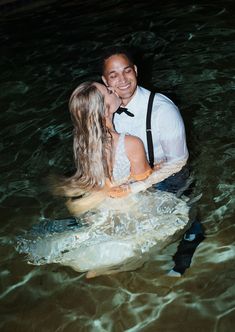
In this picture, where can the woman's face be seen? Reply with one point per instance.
(111, 99)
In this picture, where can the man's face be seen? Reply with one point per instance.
(120, 74)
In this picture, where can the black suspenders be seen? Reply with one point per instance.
(149, 130)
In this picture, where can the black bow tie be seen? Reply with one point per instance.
(120, 110)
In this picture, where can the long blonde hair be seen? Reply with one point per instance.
(92, 141)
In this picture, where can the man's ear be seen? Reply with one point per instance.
(104, 80)
(136, 70)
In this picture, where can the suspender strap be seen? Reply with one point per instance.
(149, 130)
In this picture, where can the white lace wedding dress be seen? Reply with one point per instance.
(120, 235)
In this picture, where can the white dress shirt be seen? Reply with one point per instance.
(167, 125)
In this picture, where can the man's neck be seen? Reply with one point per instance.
(127, 100)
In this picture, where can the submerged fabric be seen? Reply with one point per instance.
(120, 235)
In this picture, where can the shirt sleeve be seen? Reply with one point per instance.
(157, 176)
(172, 133)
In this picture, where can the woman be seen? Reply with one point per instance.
(99, 167)
(120, 233)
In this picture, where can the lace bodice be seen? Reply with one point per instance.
(121, 167)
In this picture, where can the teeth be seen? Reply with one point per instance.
(124, 87)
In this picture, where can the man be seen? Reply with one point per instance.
(168, 136)
(168, 133)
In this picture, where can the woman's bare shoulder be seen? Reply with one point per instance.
(133, 143)
(136, 154)
(135, 150)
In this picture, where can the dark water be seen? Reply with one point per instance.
(188, 53)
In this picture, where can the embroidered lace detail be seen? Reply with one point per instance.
(121, 168)
(120, 235)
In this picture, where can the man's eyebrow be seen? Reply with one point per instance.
(114, 71)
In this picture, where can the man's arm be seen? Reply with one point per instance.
(172, 132)
(172, 139)
(147, 180)
(157, 176)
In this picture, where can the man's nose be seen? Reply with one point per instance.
(122, 78)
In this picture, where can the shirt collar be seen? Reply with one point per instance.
(138, 99)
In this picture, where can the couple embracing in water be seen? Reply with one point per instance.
(126, 140)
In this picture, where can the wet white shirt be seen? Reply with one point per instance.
(167, 125)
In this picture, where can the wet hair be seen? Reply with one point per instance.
(107, 53)
(91, 142)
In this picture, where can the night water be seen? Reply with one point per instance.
(186, 52)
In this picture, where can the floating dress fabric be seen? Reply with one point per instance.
(120, 235)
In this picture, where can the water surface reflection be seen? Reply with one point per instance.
(188, 54)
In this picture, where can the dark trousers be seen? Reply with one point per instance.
(178, 184)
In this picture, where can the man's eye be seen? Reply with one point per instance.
(112, 76)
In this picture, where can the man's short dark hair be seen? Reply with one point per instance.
(107, 53)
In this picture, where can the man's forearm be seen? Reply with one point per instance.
(158, 175)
